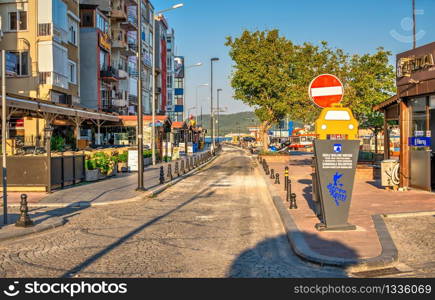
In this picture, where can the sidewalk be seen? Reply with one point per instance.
(371, 239)
(119, 188)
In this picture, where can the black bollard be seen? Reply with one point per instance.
(182, 167)
(293, 201)
(177, 171)
(285, 178)
(277, 178)
(267, 170)
(289, 190)
(24, 220)
(169, 172)
(272, 174)
(162, 175)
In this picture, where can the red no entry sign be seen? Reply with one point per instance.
(325, 90)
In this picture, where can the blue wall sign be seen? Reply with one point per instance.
(420, 141)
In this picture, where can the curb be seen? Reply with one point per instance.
(57, 222)
(147, 194)
(389, 253)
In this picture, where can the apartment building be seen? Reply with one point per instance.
(42, 44)
(41, 40)
(161, 64)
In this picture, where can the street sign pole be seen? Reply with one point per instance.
(335, 159)
(4, 116)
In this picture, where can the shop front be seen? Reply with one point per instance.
(414, 108)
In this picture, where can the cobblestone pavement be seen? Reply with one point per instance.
(414, 238)
(218, 223)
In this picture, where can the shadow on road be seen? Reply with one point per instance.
(265, 260)
(202, 194)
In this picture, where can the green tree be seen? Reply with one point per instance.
(260, 78)
(374, 121)
(272, 75)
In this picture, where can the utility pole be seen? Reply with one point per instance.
(211, 102)
(414, 29)
(4, 116)
(218, 114)
(140, 185)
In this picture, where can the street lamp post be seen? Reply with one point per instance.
(196, 99)
(218, 114)
(4, 116)
(199, 64)
(153, 96)
(211, 101)
(140, 186)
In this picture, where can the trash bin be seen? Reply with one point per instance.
(390, 172)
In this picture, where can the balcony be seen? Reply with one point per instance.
(129, 51)
(130, 24)
(109, 74)
(119, 13)
(119, 102)
(122, 74)
(130, 2)
(53, 78)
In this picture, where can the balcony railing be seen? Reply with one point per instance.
(44, 29)
(109, 74)
(53, 78)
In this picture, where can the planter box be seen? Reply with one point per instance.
(101, 176)
(92, 175)
(147, 161)
(122, 167)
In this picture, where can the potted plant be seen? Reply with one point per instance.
(103, 163)
(122, 162)
(91, 171)
(147, 155)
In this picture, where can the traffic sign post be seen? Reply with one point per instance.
(336, 153)
(325, 90)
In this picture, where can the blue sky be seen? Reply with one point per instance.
(357, 26)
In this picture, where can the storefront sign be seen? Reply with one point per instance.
(104, 41)
(420, 141)
(132, 161)
(407, 65)
(336, 163)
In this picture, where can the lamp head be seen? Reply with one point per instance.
(214, 59)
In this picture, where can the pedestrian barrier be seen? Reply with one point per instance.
(24, 219)
(293, 201)
(177, 171)
(182, 170)
(285, 178)
(169, 175)
(162, 175)
(272, 174)
(277, 178)
(289, 190)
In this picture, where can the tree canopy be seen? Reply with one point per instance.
(272, 74)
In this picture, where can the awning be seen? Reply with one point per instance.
(386, 103)
(60, 109)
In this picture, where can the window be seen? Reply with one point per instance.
(72, 72)
(179, 83)
(72, 31)
(17, 63)
(102, 24)
(18, 20)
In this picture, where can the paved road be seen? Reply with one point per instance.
(414, 238)
(218, 223)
